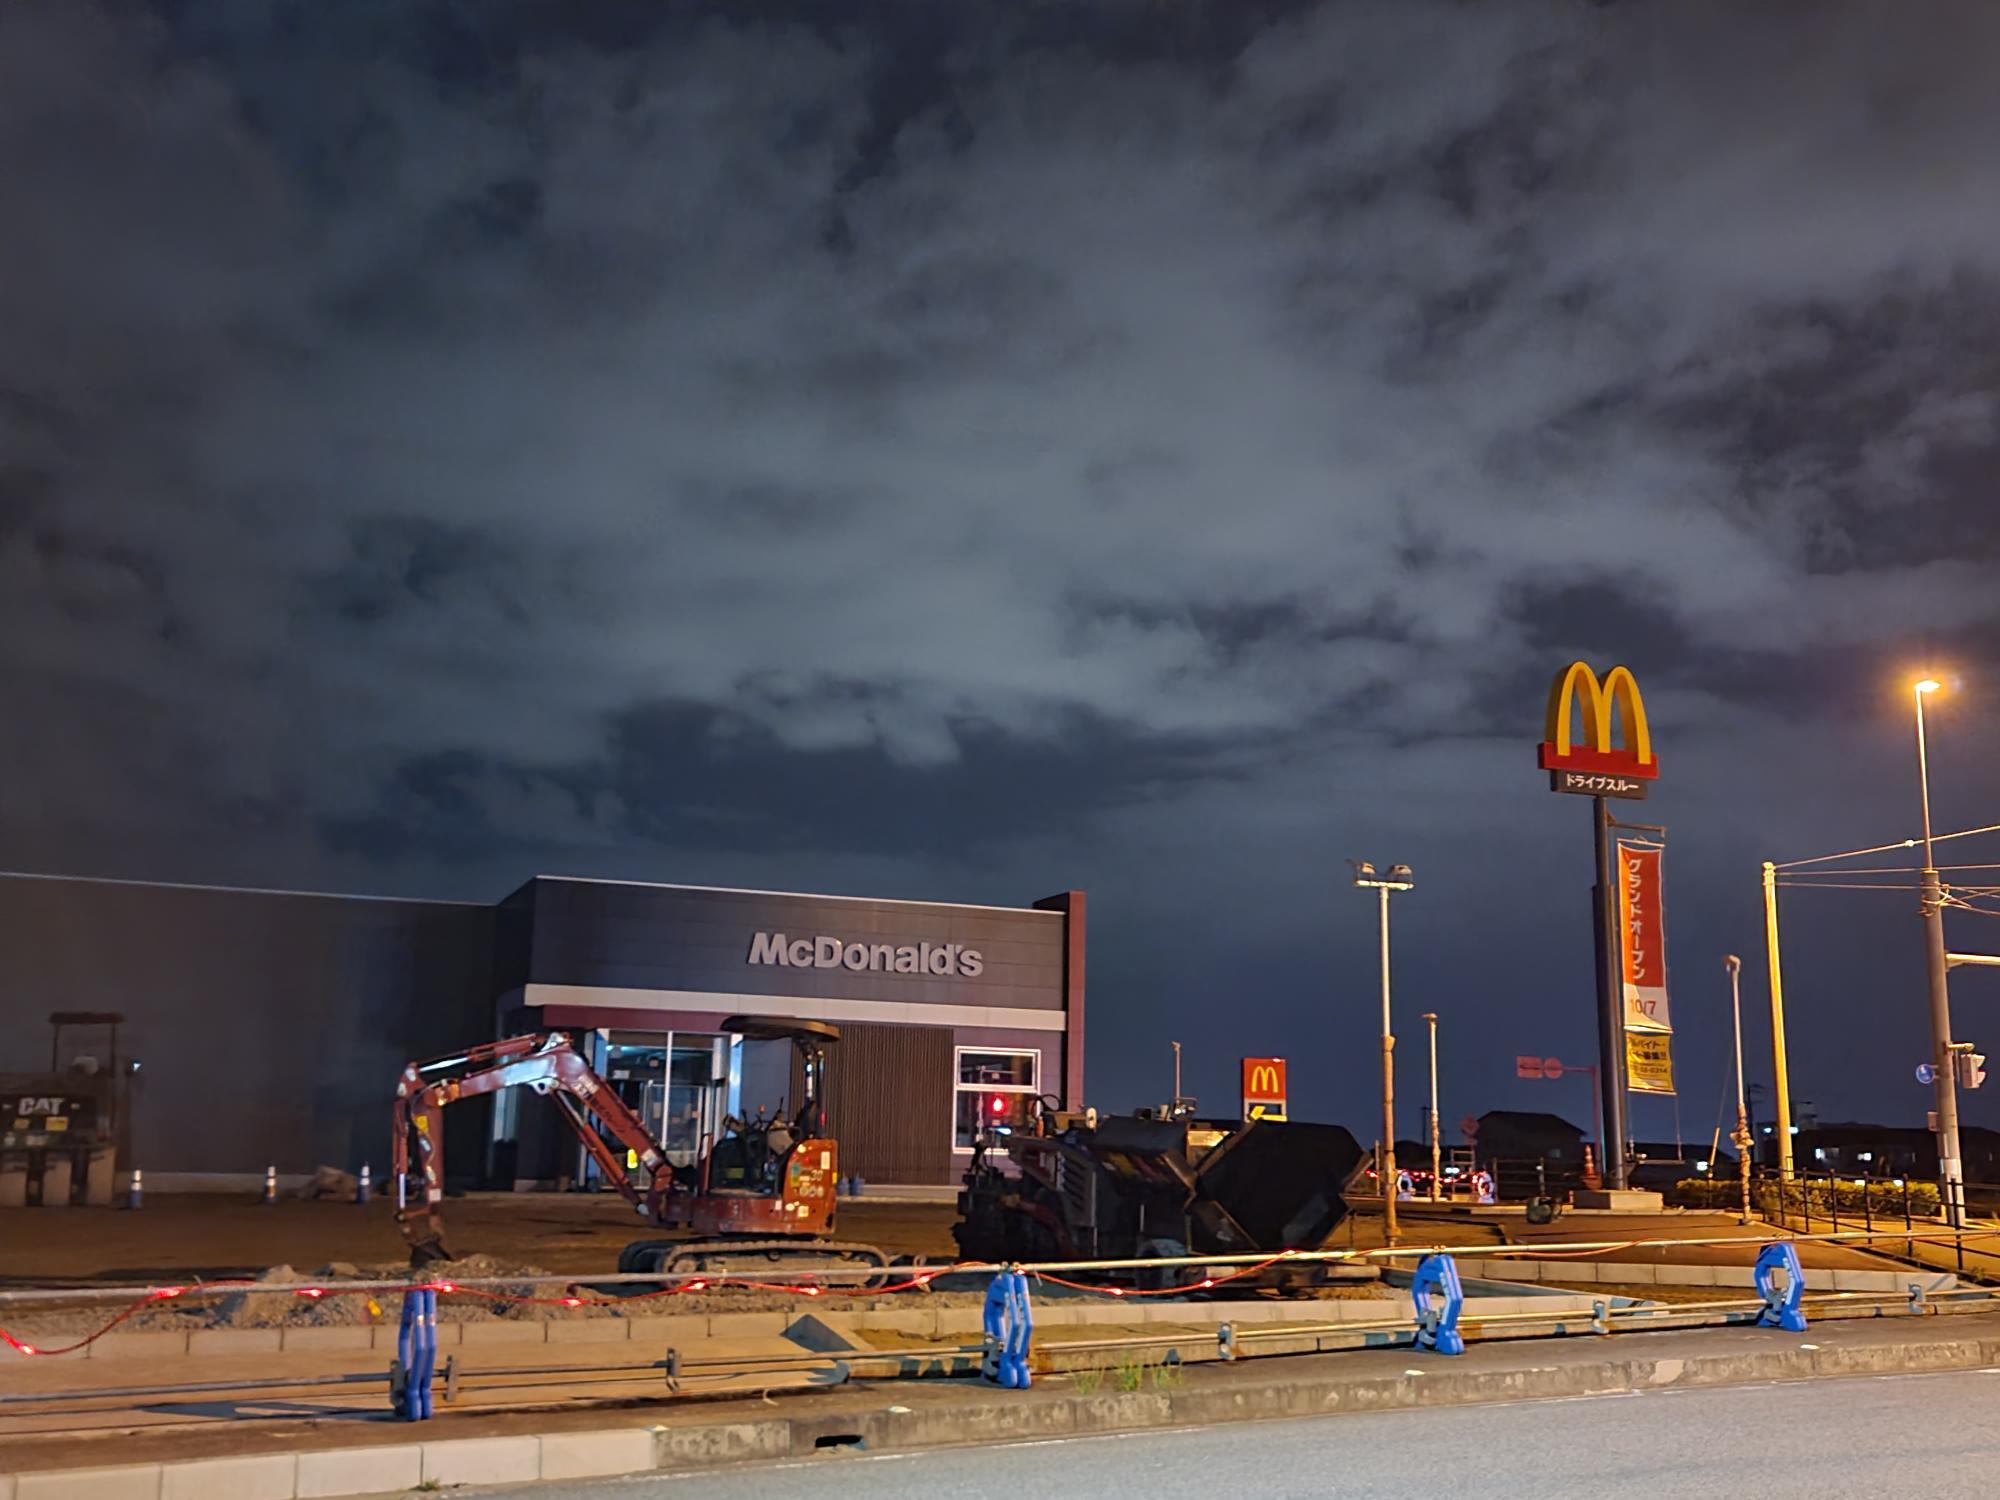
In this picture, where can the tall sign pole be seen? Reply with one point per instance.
(1610, 1004)
(1606, 753)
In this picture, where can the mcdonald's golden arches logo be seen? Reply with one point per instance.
(1264, 1088)
(1585, 746)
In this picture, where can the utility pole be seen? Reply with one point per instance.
(1783, 1098)
(1437, 1149)
(1742, 1137)
(1398, 879)
(1951, 1180)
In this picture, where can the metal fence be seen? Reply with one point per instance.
(1833, 1202)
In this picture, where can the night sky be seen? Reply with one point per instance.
(965, 451)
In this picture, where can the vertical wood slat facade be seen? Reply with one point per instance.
(889, 1101)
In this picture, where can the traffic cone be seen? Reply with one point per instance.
(271, 1184)
(363, 1187)
(135, 1196)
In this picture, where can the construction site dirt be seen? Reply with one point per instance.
(179, 1239)
(187, 1238)
(180, 1236)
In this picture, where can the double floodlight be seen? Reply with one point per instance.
(1399, 878)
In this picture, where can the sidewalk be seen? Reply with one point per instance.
(357, 1456)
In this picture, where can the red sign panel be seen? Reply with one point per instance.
(1264, 1094)
(1643, 936)
(1527, 1067)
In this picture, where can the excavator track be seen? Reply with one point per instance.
(741, 1257)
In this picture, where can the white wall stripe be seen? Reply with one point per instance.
(812, 1008)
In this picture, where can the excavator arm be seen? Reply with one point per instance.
(545, 1062)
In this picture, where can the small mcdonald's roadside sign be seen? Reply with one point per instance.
(1263, 1088)
(1607, 749)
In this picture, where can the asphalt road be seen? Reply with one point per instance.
(1917, 1437)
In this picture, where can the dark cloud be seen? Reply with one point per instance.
(967, 449)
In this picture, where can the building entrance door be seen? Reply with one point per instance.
(676, 1082)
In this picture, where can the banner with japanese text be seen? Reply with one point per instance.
(1642, 929)
(1649, 1062)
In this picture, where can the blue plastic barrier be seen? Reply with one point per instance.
(416, 1355)
(1781, 1309)
(1009, 1323)
(1437, 1326)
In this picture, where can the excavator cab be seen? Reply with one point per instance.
(771, 1176)
(767, 1188)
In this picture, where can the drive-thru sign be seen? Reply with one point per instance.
(1263, 1088)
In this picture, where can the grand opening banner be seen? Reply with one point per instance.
(1642, 932)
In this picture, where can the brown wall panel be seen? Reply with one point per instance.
(889, 1102)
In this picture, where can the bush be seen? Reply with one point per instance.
(1819, 1198)
(1815, 1197)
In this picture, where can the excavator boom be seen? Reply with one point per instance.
(550, 1065)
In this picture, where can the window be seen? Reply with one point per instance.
(995, 1089)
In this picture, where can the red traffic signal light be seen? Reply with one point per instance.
(999, 1104)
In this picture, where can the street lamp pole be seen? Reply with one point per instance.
(1437, 1150)
(1741, 1138)
(1398, 880)
(1951, 1180)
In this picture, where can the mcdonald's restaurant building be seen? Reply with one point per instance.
(270, 1026)
(950, 1016)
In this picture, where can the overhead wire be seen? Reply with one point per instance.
(1821, 859)
(1829, 885)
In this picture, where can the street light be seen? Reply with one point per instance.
(1951, 1178)
(1398, 879)
(1741, 1138)
(1437, 1151)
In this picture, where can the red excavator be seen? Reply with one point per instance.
(762, 1191)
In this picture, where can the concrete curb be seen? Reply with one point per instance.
(977, 1414)
(387, 1470)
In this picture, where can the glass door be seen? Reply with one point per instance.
(696, 1095)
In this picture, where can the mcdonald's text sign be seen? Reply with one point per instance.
(1263, 1088)
(1606, 750)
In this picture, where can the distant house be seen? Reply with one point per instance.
(1529, 1153)
(1522, 1134)
(1862, 1150)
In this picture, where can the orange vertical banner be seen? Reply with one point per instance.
(1642, 927)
